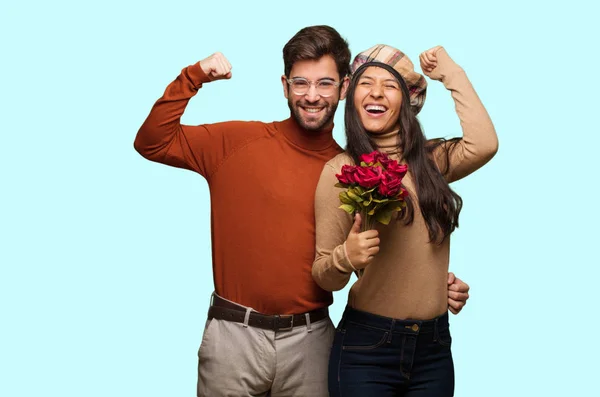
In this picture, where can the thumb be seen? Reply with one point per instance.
(356, 225)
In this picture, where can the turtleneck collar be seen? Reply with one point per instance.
(386, 142)
(310, 140)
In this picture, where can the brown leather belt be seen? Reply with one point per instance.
(229, 311)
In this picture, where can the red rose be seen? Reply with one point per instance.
(390, 185)
(368, 158)
(368, 176)
(373, 157)
(394, 168)
(347, 175)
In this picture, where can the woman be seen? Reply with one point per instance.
(394, 336)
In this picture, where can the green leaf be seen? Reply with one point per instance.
(385, 200)
(394, 206)
(383, 216)
(354, 196)
(378, 206)
(368, 191)
(348, 208)
(343, 185)
(368, 200)
(345, 199)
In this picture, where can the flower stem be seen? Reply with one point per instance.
(368, 222)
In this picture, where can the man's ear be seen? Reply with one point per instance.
(344, 90)
(285, 86)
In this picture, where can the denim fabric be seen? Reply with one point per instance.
(380, 356)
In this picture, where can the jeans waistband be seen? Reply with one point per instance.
(394, 324)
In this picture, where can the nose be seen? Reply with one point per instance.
(376, 91)
(312, 95)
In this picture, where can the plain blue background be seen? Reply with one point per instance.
(105, 257)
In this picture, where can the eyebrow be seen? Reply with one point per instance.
(321, 79)
(372, 78)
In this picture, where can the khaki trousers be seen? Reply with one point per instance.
(240, 361)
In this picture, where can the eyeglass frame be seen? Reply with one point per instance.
(336, 84)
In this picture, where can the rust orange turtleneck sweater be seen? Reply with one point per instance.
(262, 179)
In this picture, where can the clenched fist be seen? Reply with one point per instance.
(216, 67)
(429, 61)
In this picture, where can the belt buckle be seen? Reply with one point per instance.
(277, 317)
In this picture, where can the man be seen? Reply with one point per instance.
(268, 329)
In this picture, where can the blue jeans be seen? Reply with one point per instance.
(380, 356)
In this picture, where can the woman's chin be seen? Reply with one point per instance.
(376, 130)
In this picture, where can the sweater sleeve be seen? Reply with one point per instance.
(479, 142)
(163, 139)
(331, 268)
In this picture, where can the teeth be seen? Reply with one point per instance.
(375, 108)
(313, 110)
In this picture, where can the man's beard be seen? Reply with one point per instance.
(329, 113)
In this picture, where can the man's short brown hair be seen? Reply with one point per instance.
(314, 42)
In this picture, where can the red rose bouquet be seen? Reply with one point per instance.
(373, 188)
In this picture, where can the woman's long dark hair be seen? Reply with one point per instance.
(439, 204)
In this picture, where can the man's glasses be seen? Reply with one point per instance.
(325, 88)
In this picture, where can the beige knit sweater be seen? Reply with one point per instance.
(408, 277)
